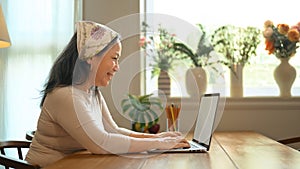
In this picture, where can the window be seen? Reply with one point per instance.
(258, 75)
(38, 30)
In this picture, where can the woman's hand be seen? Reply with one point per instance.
(173, 142)
(168, 134)
(158, 135)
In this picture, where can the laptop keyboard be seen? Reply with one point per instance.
(193, 145)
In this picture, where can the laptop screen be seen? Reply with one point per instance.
(205, 120)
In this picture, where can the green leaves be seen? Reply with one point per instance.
(236, 44)
(142, 108)
(188, 53)
(201, 56)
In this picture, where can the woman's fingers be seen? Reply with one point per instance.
(175, 142)
(169, 134)
(182, 145)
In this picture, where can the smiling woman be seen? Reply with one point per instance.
(258, 75)
(108, 66)
(74, 115)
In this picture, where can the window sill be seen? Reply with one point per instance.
(263, 103)
(252, 103)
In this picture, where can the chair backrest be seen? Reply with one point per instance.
(30, 135)
(17, 163)
(289, 141)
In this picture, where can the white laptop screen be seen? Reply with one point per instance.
(205, 120)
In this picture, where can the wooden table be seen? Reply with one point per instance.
(250, 150)
(229, 150)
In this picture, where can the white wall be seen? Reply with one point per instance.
(111, 12)
(274, 117)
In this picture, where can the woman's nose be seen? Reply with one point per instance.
(116, 67)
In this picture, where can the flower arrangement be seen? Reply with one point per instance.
(281, 40)
(158, 45)
(237, 44)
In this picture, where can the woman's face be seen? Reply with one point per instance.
(106, 66)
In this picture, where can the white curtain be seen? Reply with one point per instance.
(39, 30)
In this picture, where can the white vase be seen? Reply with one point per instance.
(196, 81)
(236, 81)
(284, 75)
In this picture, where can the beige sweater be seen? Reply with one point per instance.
(72, 120)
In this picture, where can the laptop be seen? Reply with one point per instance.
(204, 126)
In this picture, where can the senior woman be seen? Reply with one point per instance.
(74, 115)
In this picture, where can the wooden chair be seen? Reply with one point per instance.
(30, 135)
(288, 141)
(17, 163)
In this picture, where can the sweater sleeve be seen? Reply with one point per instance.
(77, 114)
(108, 121)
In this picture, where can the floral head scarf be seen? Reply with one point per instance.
(94, 39)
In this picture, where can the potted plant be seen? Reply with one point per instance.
(282, 41)
(237, 45)
(142, 110)
(199, 60)
(158, 46)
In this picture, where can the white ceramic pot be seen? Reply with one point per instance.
(236, 81)
(196, 81)
(284, 75)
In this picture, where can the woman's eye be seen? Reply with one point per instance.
(116, 59)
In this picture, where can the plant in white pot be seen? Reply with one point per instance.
(237, 45)
(143, 111)
(196, 76)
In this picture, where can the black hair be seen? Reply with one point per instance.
(66, 70)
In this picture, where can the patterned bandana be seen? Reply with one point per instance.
(94, 39)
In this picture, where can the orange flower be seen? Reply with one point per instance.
(283, 28)
(293, 35)
(269, 46)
